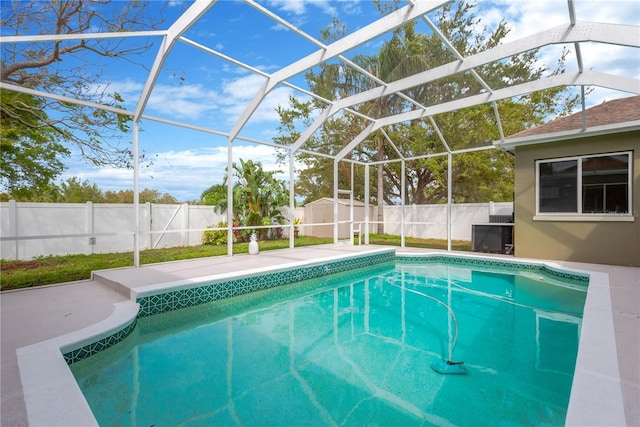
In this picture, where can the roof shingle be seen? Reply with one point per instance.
(616, 111)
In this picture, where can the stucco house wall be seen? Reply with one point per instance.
(604, 242)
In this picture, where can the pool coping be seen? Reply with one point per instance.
(186, 292)
(51, 394)
(596, 391)
(53, 397)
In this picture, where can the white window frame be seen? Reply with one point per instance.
(579, 215)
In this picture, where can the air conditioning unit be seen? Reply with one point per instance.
(493, 238)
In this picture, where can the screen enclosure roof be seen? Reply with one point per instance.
(300, 50)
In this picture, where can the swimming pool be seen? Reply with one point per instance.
(353, 348)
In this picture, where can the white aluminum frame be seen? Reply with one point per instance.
(573, 33)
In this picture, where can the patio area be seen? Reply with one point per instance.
(34, 315)
(188, 94)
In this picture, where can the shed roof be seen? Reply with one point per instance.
(329, 201)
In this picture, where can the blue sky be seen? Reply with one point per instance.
(203, 90)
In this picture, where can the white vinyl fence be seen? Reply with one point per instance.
(29, 230)
(421, 221)
(39, 229)
(430, 221)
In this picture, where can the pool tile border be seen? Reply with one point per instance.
(505, 264)
(100, 345)
(53, 397)
(215, 290)
(205, 292)
(51, 394)
(200, 293)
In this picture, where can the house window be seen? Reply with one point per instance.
(558, 186)
(584, 185)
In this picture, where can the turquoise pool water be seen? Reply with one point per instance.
(354, 348)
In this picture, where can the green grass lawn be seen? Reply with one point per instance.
(60, 269)
(412, 242)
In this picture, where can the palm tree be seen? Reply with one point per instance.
(257, 195)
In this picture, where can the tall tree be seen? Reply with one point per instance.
(72, 68)
(216, 195)
(30, 155)
(75, 191)
(477, 176)
(145, 196)
(148, 195)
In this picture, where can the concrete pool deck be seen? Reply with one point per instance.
(34, 315)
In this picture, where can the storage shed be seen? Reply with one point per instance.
(320, 212)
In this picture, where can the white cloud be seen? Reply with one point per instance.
(106, 174)
(201, 168)
(325, 6)
(266, 112)
(299, 7)
(175, 102)
(243, 88)
(128, 88)
(186, 101)
(219, 107)
(295, 7)
(240, 92)
(184, 174)
(278, 27)
(617, 60)
(350, 7)
(615, 12)
(529, 17)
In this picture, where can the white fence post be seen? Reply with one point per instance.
(91, 241)
(111, 224)
(185, 224)
(13, 224)
(414, 219)
(148, 225)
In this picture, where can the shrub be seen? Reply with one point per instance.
(215, 237)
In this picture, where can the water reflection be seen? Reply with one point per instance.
(355, 352)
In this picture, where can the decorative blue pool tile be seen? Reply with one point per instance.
(494, 264)
(208, 292)
(98, 346)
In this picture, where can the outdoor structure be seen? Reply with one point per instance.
(321, 212)
(563, 209)
(577, 186)
(183, 35)
(32, 230)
